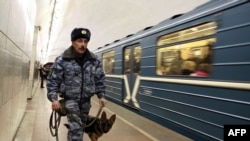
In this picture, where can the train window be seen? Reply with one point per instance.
(127, 60)
(189, 57)
(193, 58)
(108, 61)
(187, 34)
(137, 59)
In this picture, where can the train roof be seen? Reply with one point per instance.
(200, 11)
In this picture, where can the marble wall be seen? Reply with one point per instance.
(17, 19)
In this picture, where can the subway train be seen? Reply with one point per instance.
(189, 73)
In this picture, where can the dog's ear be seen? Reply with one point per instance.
(66, 125)
(112, 118)
(103, 116)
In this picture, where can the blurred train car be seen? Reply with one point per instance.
(189, 73)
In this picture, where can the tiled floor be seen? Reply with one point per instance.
(128, 125)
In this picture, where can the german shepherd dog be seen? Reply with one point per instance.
(99, 126)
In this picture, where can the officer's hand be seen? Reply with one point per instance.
(102, 102)
(56, 105)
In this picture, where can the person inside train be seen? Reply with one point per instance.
(137, 62)
(175, 68)
(127, 66)
(77, 74)
(208, 58)
(190, 65)
(192, 57)
(203, 70)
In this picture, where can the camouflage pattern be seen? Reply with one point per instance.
(76, 122)
(78, 79)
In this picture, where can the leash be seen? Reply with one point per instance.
(97, 115)
(76, 113)
(56, 115)
(54, 125)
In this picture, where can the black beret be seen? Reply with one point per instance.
(80, 33)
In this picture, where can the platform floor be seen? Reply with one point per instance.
(127, 127)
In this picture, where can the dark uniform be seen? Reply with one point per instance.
(78, 79)
(42, 76)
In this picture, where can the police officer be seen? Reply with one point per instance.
(78, 75)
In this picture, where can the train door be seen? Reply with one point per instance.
(131, 71)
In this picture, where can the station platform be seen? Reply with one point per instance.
(128, 126)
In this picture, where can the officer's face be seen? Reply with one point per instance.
(80, 46)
